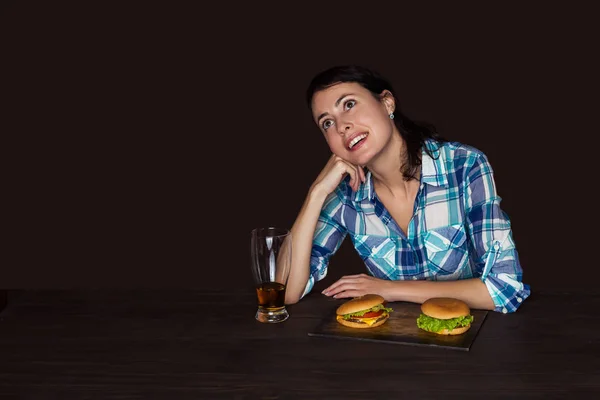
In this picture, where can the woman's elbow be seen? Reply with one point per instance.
(291, 299)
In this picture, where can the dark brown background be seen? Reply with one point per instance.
(146, 140)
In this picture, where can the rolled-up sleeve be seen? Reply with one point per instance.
(328, 237)
(496, 259)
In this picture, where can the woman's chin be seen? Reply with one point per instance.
(362, 159)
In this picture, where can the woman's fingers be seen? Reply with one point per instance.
(348, 293)
(346, 168)
(344, 283)
(357, 175)
(335, 170)
(340, 289)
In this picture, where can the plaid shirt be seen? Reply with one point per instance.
(458, 230)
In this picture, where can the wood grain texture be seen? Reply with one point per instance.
(192, 345)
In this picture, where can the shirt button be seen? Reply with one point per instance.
(519, 299)
(496, 246)
(504, 310)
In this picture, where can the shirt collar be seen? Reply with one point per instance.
(433, 172)
(365, 190)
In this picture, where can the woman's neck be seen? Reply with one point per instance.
(387, 167)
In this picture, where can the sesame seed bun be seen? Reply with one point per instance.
(359, 303)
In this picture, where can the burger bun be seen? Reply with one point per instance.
(445, 308)
(360, 303)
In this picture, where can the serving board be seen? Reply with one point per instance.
(401, 328)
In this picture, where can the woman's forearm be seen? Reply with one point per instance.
(303, 232)
(471, 291)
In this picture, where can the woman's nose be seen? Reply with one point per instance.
(344, 127)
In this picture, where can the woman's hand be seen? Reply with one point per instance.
(334, 171)
(357, 285)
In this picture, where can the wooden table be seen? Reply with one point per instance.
(3, 299)
(166, 344)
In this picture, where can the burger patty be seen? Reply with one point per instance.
(361, 322)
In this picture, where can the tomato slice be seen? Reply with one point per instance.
(372, 314)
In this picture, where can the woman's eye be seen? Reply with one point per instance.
(327, 124)
(349, 104)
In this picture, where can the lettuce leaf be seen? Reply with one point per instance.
(436, 325)
(363, 312)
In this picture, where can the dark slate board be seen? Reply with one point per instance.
(401, 328)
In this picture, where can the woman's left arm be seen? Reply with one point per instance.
(495, 255)
(471, 291)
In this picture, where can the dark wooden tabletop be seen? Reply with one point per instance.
(165, 344)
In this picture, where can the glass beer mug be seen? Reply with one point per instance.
(271, 251)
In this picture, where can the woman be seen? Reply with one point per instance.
(421, 211)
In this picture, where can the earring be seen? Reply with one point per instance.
(391, 115)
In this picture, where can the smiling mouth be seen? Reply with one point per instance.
(357, 140)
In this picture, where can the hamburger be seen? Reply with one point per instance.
(366, 311)
(445, 316)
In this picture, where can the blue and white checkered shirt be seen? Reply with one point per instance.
(458, 230)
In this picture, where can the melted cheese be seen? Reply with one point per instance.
(370, 321)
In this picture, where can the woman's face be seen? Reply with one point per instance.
(356, 125)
